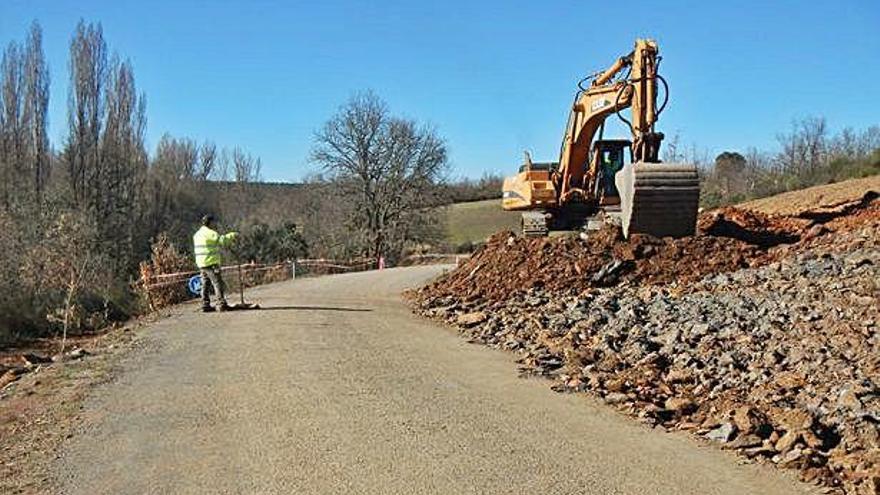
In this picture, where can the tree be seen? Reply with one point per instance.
(72, 270)
(804, 149)
(246, 168)
(24, 143)
(36, 106)
(105, 155)
(327, 219)
(10, 122)
(730, 170)
(177, 192)
(264, 244)
(388, 167)
(85, 113)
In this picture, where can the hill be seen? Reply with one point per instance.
(794, 202)
(475, 221)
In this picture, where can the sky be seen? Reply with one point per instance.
(492, 77)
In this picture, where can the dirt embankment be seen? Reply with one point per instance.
(761, 333)
(814, 198)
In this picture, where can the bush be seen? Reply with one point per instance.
(52, 277)
(264, 244)
(465, 247)
(156, 292)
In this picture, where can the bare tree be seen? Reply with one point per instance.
(804, 148)
(849, 144)
(245, 167)
(176, 158)
(124, 162)
(89, 73)
(72, 270)
(387, 166)
(207, 166)
(105, 155)
(177, 189)
(11, 134)
(24, 99)
(672, 150)
(36, 106)
(327, 219)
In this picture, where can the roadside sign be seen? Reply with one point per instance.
(194, 284)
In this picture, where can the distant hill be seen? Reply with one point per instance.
(280, 187)
(475, 221)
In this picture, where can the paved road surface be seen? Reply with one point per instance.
(339, 389)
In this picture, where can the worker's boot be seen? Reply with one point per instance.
(208, 309)
(224, 307)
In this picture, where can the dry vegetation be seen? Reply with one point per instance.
(809, 154)
(77, 221)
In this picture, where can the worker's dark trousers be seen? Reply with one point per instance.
(213, 275)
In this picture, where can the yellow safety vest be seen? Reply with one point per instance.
(207, 243)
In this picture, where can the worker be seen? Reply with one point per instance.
(206, 244)
(612, 162)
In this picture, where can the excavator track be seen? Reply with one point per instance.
(660, 199)
(534, 224)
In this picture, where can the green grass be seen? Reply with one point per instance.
(477, 220)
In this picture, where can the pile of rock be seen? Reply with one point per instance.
(728, 240)
(778, 361)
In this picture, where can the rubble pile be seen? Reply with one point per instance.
(509, 264)
(763, 345)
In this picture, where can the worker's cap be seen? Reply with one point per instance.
(207, 219)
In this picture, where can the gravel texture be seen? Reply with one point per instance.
(767, 345)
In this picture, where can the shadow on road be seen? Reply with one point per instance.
(311, 308)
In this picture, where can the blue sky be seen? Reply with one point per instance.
(493, 77)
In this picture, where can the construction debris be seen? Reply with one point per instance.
(760, 334)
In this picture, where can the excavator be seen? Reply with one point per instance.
(619, 180)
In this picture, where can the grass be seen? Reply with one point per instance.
(477, 220)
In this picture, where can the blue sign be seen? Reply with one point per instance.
(195, 285)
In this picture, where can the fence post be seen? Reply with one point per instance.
(146, 277)
(293, 269)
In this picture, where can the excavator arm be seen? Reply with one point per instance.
(587, 115)
(609, 94)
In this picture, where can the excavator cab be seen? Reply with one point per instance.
(610, 156)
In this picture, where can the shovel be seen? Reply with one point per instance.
(241, 305)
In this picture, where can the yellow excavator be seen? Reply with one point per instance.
(610, 178)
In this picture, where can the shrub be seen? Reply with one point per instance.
(165, 259)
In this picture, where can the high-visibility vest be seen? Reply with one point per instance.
(206, 245)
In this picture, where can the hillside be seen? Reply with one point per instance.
(794, 202)
(477, 220)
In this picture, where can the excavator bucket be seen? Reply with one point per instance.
(660, 199)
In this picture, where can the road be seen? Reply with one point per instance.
(336, 387)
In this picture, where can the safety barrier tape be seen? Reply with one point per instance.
(178, 277)
(162, 279)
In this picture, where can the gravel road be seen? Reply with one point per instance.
(336, 388)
